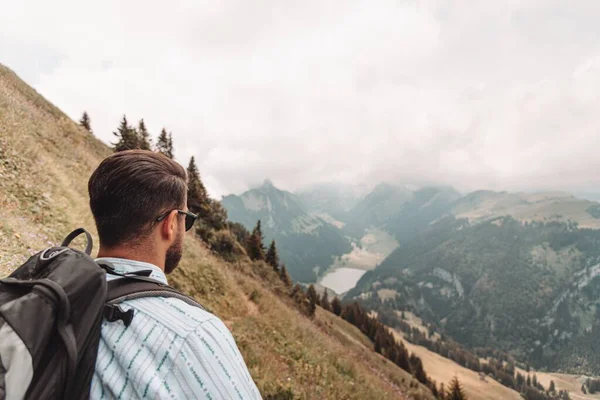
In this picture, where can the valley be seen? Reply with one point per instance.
(513, 271)
(366, 254)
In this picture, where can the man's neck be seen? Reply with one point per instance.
(132, 254)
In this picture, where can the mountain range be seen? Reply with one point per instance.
(518, 272)
(330, 218)
(306, 241)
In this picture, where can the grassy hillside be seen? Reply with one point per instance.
(45, 161)
(442, 369)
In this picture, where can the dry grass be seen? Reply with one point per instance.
(570, 383)
(443, 370)
(45, 161)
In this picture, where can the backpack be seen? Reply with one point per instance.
(51, 312)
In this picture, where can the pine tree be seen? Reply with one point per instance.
(520, 380)
(256, 250)
(171, 151)
(86, 122)
(300, 298)
(534, 381)
(442, 392)
(272, 257)
(401, 358)
(336, 306)
(416, 366)
(455, 391)
(552, 387)
(217, 215)
(434, 390)
(528, 380)
(144, 141)
(197, 196)
(127, 137)
(164, 143)
(313, 297)
(378, 341)
(297, 292)
(285, 278)
(325, 301)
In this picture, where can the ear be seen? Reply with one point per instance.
(169, 226)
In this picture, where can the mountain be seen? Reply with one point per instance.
(400, 210)
(307, 243)
(529, 286)
(277, 209)
(375, 209)
(288, 354)
(547, 206)
(334, 222)
(332, 201)
(426, 206)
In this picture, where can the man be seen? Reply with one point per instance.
(171, 350)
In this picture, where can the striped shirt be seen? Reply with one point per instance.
(171, 350)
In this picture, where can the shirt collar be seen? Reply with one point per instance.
(123, 265)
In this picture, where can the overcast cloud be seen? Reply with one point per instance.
(476, 94)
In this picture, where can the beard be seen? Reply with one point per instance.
(174, 254)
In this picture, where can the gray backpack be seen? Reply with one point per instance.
(51, 310)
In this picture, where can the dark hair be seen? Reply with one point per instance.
(130, 189)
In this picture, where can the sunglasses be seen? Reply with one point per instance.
(190, 218)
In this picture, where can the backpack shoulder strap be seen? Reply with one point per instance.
(74, 234)
(132, 287)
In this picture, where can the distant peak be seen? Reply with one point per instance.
(267, 184)
(268, 188)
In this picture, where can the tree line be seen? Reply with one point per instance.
(498, 365)
(384, 341)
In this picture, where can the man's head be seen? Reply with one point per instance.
(129, 191)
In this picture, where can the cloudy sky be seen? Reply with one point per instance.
(477, 94)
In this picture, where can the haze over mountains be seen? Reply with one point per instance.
(515, 271)
(330, 218)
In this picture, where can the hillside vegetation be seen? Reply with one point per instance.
(45, 161)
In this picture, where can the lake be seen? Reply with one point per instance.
(342, 279)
